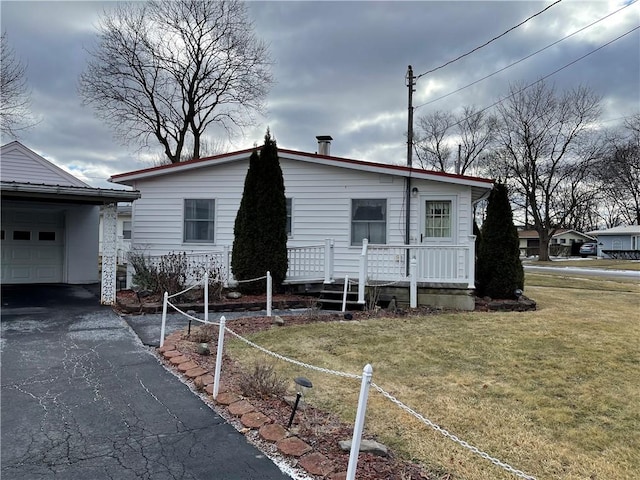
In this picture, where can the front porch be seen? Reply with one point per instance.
(416, 275)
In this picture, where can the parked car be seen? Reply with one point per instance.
(587, 249)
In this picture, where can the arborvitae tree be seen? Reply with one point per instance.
(499, 271)
(260, 232)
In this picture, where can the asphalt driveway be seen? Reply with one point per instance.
(82, 398)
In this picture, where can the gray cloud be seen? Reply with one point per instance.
(339, 68)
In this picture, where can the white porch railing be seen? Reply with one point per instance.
(313, 262)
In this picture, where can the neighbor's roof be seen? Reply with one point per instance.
(619, 230)
(129, 178)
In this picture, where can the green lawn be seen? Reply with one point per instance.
(552, 392)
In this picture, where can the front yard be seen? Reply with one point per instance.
(551, 392)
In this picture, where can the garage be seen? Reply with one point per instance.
(32, 246)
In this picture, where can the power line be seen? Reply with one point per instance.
(545, 77)
(524, 58)
(488, 42)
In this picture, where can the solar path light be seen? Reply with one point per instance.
(302, 385)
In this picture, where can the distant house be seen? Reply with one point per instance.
(565, 242)
(49, 220)
(343, 215)
(619, 242)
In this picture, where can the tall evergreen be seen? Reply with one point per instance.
(260, 231)
(499, 269)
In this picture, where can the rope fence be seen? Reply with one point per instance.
(364, 390)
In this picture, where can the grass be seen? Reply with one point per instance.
(605, 264)
(552, 392)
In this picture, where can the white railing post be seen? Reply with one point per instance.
(216, 378)
(164, 317)
(413, 290)
(227, 266)
(328, 260)
(472, 261)
(206, 296)
(269, 293)
(344, 293)
(362, 281)
(367, 372)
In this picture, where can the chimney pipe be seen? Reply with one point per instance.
(324, 144)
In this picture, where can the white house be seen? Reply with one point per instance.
(49, 221)
(333, 204)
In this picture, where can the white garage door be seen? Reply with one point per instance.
(32, 246)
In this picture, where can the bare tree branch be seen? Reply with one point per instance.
(171, 69)
(15, 97)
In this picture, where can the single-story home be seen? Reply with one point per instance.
(347, 218)
(619, 242)
(565, 242)
(50, 222)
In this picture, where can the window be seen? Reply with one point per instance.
(199, 220)
(21, 235)
(289, 217)
(126, 230)
(368, 220)
(438, 219)
(47, 236)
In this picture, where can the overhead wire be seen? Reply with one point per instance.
(524, 58)
(542, 78)
(488, 42)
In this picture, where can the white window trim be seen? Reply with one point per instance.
(215, 221)
(386, 221)
(290, 234)
(454, 219)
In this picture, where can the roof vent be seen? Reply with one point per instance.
(324, 144)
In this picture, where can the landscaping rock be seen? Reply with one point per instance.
(254, 419)
(195, 372)
(366, 446)
(277, 320)
(234, 295)
(293, 446)
(171, 354)
(227, 398)
(178, 360)
(184, 366)
(317, 464)
(272, 432)
(203, 349)
(240, 408)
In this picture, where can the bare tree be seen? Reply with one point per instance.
(438, 133)
(619, 172)
(170, 69)
(15, 99)
(547, 150)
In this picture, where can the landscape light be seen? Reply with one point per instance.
(302, 385)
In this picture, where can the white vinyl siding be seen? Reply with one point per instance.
(199, 220)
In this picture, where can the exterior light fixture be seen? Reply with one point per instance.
(302, 385)
(517, 293)
(414, 191)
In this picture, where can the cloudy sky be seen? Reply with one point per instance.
(340, 70)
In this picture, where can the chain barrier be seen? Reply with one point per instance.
(452, 437)
(396, 282)
(291, 360)
(186, 289)
(251, 279)
(191, 317)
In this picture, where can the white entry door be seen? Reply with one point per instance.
(32, 246)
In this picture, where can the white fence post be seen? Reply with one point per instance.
(472, 261)
(227, 266)
(367, 372)
(344, 293)
(206, 296)
(362, 281)
(413, 290)
(269, 293)
(216, 378)
(328, 260)
(164, 317)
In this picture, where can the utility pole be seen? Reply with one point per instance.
(458, 162)
(407, 238)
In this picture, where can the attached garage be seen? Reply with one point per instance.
(50, 220)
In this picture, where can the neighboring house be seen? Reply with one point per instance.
(123, 233)
(333, 205)
(565, 242)
(49, 221)
(619, 242)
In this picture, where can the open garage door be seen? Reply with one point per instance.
(32, 246)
